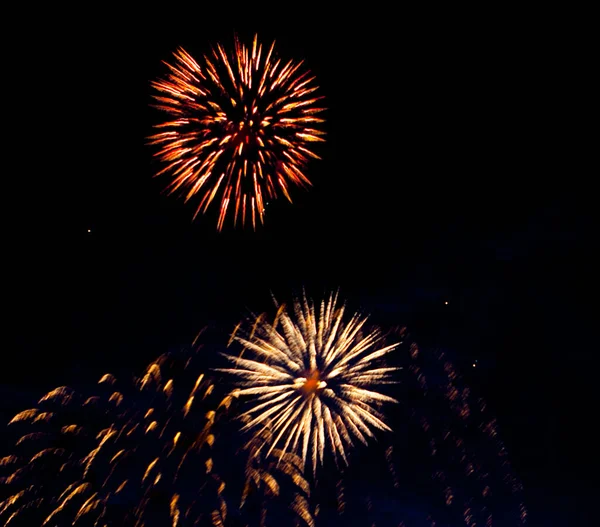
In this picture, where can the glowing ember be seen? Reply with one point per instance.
(312, 383)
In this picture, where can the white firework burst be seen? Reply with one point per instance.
(309, 379)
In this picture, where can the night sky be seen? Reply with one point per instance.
(450, 198)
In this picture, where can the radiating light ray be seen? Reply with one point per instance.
(307, 378)
(239, 125)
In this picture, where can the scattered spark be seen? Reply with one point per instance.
(137, 438)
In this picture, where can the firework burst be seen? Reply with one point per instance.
(469, 463)
(125, 456)
(311, 378)
(242, 127)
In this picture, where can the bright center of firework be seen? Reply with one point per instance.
(311, 383)
(245, 133)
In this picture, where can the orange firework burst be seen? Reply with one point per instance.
(241, 127)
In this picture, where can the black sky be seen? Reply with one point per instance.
(452, 172)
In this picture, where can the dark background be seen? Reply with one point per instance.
(453, 172)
